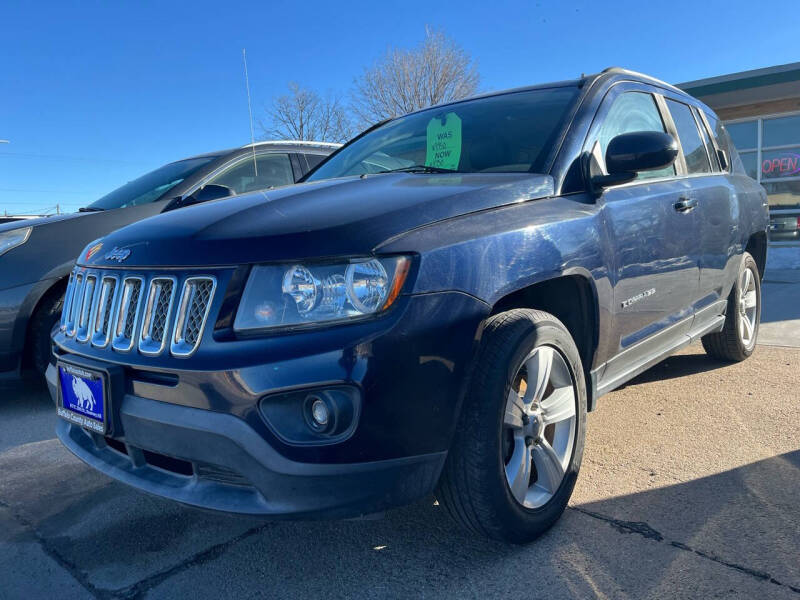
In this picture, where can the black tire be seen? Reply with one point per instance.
(47, 315)
(473, 486)
(728, 344)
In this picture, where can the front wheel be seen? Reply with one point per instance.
(737, 340)
(517, 450)
(42, 324)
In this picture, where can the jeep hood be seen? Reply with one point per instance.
(337, 217)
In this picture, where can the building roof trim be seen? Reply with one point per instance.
(743, 80)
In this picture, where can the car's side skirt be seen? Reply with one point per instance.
(650, 351)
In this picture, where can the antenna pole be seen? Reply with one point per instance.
(250, 110)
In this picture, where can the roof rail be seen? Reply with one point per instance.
(293, 143)
(624, 71)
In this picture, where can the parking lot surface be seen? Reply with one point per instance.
(689, 488)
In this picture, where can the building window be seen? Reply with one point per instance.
(770, 151)
(744, 134)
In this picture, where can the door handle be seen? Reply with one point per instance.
(685, 204)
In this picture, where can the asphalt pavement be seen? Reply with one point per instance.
(689, 489)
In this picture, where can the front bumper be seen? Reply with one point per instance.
(234, 470)
(198, 436)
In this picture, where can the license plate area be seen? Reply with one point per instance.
(82, 397)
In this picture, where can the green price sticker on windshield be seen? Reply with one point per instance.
(444, 142)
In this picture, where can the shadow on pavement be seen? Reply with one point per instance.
(679, 365)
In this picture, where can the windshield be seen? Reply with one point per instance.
(509, 133)
(152, 186)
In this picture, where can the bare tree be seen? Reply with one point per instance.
(303, 114)
(437, 70)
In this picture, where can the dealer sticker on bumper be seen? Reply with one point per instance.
(82, 397)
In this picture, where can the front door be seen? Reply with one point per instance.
(654, 241)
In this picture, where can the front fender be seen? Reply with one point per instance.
(17, 305)
(34, 295)
(492, 254)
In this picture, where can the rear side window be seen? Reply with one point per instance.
(712, 152)
(630, 112)
(725, 144)
(314, 159)
(717, 131)
(693, 149)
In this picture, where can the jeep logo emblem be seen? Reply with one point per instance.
(118, 254)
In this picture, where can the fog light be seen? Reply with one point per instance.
(320, 413)
(325, 415)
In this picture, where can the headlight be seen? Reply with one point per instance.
(12, 239)
(301, 294)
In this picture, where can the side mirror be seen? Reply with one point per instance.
(212, 191)
(629, 153)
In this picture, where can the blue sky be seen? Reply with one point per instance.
(93, 94)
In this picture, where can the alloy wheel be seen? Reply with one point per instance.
(539, 427)
(748, 307)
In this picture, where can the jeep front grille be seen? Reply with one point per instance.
(67, 311)
(192, 313)
(101, 322)
(87, 301)
(157, 309)
(127, 316)
(132, 311)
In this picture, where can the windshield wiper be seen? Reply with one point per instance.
(90, 209)
(419, 169)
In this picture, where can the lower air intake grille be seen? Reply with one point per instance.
(221, 475)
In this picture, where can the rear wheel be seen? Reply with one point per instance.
(737, 340)
(517, 450)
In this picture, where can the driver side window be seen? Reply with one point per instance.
(273, 170)
(629, 112)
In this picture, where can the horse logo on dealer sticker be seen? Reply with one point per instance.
(83, 394)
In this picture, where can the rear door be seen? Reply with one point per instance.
(714, 209)
(654, 244)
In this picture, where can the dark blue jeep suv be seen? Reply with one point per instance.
(434, 310)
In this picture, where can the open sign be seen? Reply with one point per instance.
(782, 164)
